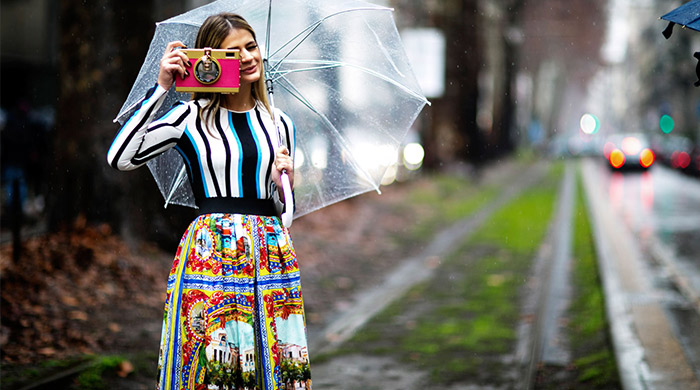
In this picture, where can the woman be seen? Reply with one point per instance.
(234, 315)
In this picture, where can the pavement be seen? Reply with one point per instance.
(651, 352)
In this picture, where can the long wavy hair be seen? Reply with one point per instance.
(212, 34)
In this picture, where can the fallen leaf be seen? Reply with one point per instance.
(78, 315)
(48, 351)
(125, 368)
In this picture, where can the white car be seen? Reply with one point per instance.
(629, 151)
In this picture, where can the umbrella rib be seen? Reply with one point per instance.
(383, 49)
(337, 64)
(300, 97)
(305, 33)
(279, 74)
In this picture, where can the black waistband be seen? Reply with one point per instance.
(252, 206)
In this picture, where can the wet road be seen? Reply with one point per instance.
(661, 205)
(647, 227)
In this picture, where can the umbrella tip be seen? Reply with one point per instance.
(668, 30)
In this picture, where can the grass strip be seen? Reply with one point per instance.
(594, 358)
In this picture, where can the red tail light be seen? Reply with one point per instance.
(646, 158)
(617, 158)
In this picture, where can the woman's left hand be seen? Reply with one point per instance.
(283, 162)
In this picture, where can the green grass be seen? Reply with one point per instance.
(92, 378)
(98, 371)
(14, 375)
(594, 357)
(464, 318)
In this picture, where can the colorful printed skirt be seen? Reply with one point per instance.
(234, 316)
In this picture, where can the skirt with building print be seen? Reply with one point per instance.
(234, 317)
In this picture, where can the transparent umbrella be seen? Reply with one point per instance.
(337, 68)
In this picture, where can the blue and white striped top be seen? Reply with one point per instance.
(234, 159)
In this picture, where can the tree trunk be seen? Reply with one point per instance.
(468, 58)
(95, 70)
(102, 45)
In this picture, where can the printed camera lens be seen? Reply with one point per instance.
(207, 71)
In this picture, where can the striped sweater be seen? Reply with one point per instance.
(232, 159)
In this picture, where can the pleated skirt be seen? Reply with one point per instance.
(234, 315)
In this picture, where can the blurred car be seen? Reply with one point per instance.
(673, 150)
(679, 153)
(629, 151)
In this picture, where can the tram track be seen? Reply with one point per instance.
(542, 339)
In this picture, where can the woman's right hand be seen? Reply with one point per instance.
(174, 63)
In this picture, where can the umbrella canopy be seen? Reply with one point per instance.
(687, 15)
(339, 71)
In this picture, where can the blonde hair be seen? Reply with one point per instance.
(212, 33)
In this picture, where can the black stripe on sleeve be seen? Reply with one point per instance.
(153, 151)
(144, 155)
(134, 130)
(176, 123)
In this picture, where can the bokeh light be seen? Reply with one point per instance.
(617, 158)
(413, 155)
(589, 124)
(631, 145)
(666, 123)
(646, 158)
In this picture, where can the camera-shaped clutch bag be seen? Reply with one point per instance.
(212, 70)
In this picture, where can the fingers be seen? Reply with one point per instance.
(283, 161)
(174, 45)
(173, 63)
(284, 165)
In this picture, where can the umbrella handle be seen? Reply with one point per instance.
(288, 214)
